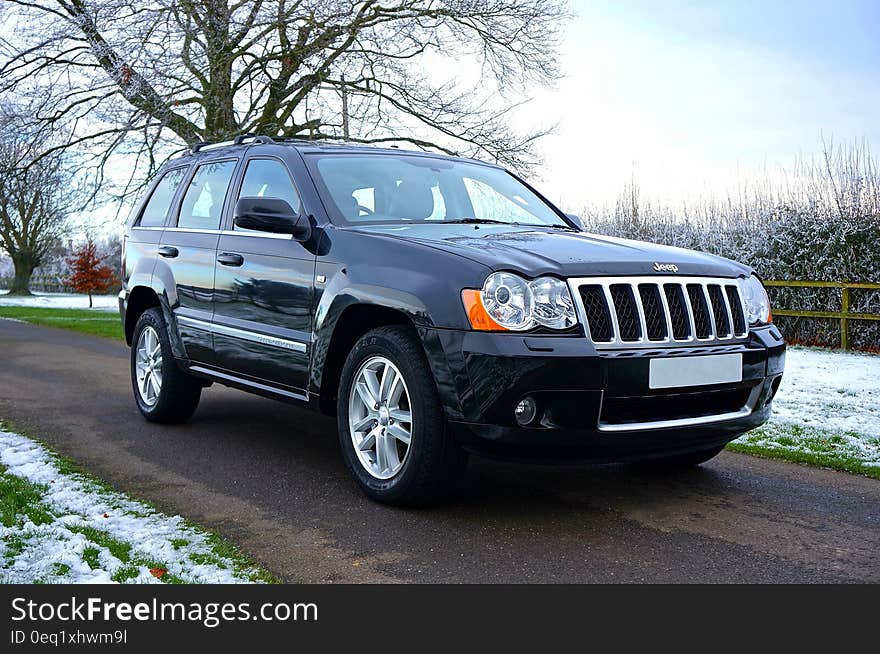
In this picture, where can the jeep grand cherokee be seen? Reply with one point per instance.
(437, 306)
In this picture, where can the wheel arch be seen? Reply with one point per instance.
(140, 299)
(355, 320)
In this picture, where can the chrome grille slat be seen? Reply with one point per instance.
(658, 322)
(670, 331)
(692, 324)
(615, 327)
(707, 298)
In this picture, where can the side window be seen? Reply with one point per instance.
(203, 202)
(156, 209)
(268, 178)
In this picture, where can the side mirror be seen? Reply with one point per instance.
(271, 215)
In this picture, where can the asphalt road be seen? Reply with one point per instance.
(269, 477)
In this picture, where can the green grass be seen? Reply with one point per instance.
(811, 446)
(90, 556)
(60, 569)
(85, 321)
(21, 499)
(117, 548)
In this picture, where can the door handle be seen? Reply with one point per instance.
(230, 259)
(168, 251)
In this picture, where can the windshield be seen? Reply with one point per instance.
(369, 189)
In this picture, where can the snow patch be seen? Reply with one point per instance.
(53, 552)
(831, 390)
(61, 301)
(835, 397)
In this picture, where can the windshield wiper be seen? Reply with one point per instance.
(489, 221)
(568, 227)
(476, 221)
(554, 226)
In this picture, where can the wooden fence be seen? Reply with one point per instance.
(844, 315)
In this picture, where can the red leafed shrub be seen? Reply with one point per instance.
(87, 272)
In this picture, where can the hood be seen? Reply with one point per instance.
(539, 251)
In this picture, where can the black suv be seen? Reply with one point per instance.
(437, 306)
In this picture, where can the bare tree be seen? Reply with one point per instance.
(35, 200)
(148, 77)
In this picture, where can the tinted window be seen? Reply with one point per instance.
(156, 209)
(203, 202)
(403, 189)
(268, 178)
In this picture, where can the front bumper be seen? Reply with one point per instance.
(592, 405)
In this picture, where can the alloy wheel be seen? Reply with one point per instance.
(380, 417)
(148, 366)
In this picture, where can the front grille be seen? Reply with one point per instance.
(619, 410)
(622, 312)
(678, 314)
(701, 312)
(739, 320)
(627, 314)
(596, 312)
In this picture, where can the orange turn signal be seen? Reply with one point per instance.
(476, 312)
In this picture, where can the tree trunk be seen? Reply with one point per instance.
(24, 268)
(90, 300)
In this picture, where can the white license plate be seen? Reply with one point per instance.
(695, 371)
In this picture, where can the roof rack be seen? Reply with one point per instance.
(238, 140)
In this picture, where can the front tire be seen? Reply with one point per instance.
(163, 392)
(392, 427)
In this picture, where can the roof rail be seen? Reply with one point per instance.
(257, 138)
(238, 140)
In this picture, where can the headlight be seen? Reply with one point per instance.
(755, 298)
(509, 302)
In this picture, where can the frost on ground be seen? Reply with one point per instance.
(61, 301)
(828, 405)
(59, 526)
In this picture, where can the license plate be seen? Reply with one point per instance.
(695, 371)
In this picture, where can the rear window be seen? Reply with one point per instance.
(156, 210)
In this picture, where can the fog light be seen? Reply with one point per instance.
(526, 411)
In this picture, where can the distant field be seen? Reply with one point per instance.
(86, 321)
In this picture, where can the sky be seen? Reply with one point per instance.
(695, 97)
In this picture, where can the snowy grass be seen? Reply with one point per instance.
(61, 301)
(85, 321)
(827, 412)
(59, 525)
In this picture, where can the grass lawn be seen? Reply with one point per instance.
(846, 451)
(85, 321)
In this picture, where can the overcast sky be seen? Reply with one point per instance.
(696, 95)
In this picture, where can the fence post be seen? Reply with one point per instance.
(844, 323)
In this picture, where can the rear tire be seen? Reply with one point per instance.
(392, 427)
(163, 392)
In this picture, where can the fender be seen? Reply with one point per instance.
(342, 292)
(156, 275)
